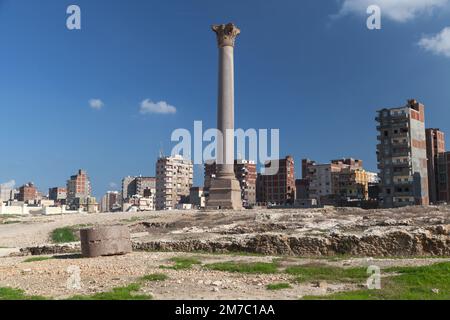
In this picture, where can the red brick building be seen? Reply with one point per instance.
(27, 193)
(279, 188)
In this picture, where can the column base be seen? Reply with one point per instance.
(224, 194)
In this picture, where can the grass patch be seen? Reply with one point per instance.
(278, 286)
(17, 294)
(35, 259)
(254, 267)
(412, 283)
(63, 235)
(155, 277)
(314, 272)
(128, 292)
(182, 263)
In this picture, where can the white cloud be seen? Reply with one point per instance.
(396, 10)
(112, 185)
(9, 184)
(96, 104)
(161, 107)
(438, 44)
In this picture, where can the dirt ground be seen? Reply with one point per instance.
(49, 278)
(273, 234)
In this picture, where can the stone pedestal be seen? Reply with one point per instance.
(105, 241)
(225, 192)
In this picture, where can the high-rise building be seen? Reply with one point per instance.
(435, 146)
(279, 188)
(27, 193)
(174, 177)
(402, 155)
(245, 173)
(443, 169)
(58, 194)
(78, 190)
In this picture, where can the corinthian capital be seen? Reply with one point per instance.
(226, 34)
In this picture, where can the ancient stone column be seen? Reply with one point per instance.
(105, 241)
(225, 191)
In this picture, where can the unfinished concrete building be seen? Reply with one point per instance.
(402, 155)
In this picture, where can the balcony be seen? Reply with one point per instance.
(401, 164)
(401, 153)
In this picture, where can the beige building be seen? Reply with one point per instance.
(174, 179)
(111, 201)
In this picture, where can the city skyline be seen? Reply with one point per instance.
(109, 106)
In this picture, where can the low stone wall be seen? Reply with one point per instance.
(394, 243)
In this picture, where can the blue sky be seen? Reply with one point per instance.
(310, 68)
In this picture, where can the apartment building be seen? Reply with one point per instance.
(335, 182)
(174, 178)
(402, 155)
(79, 190)
(58, 195)
(443, 169)
(111, 202)
(279, 188)
(138, 186)
(435, 140)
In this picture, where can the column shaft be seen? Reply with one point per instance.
(225, 119)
